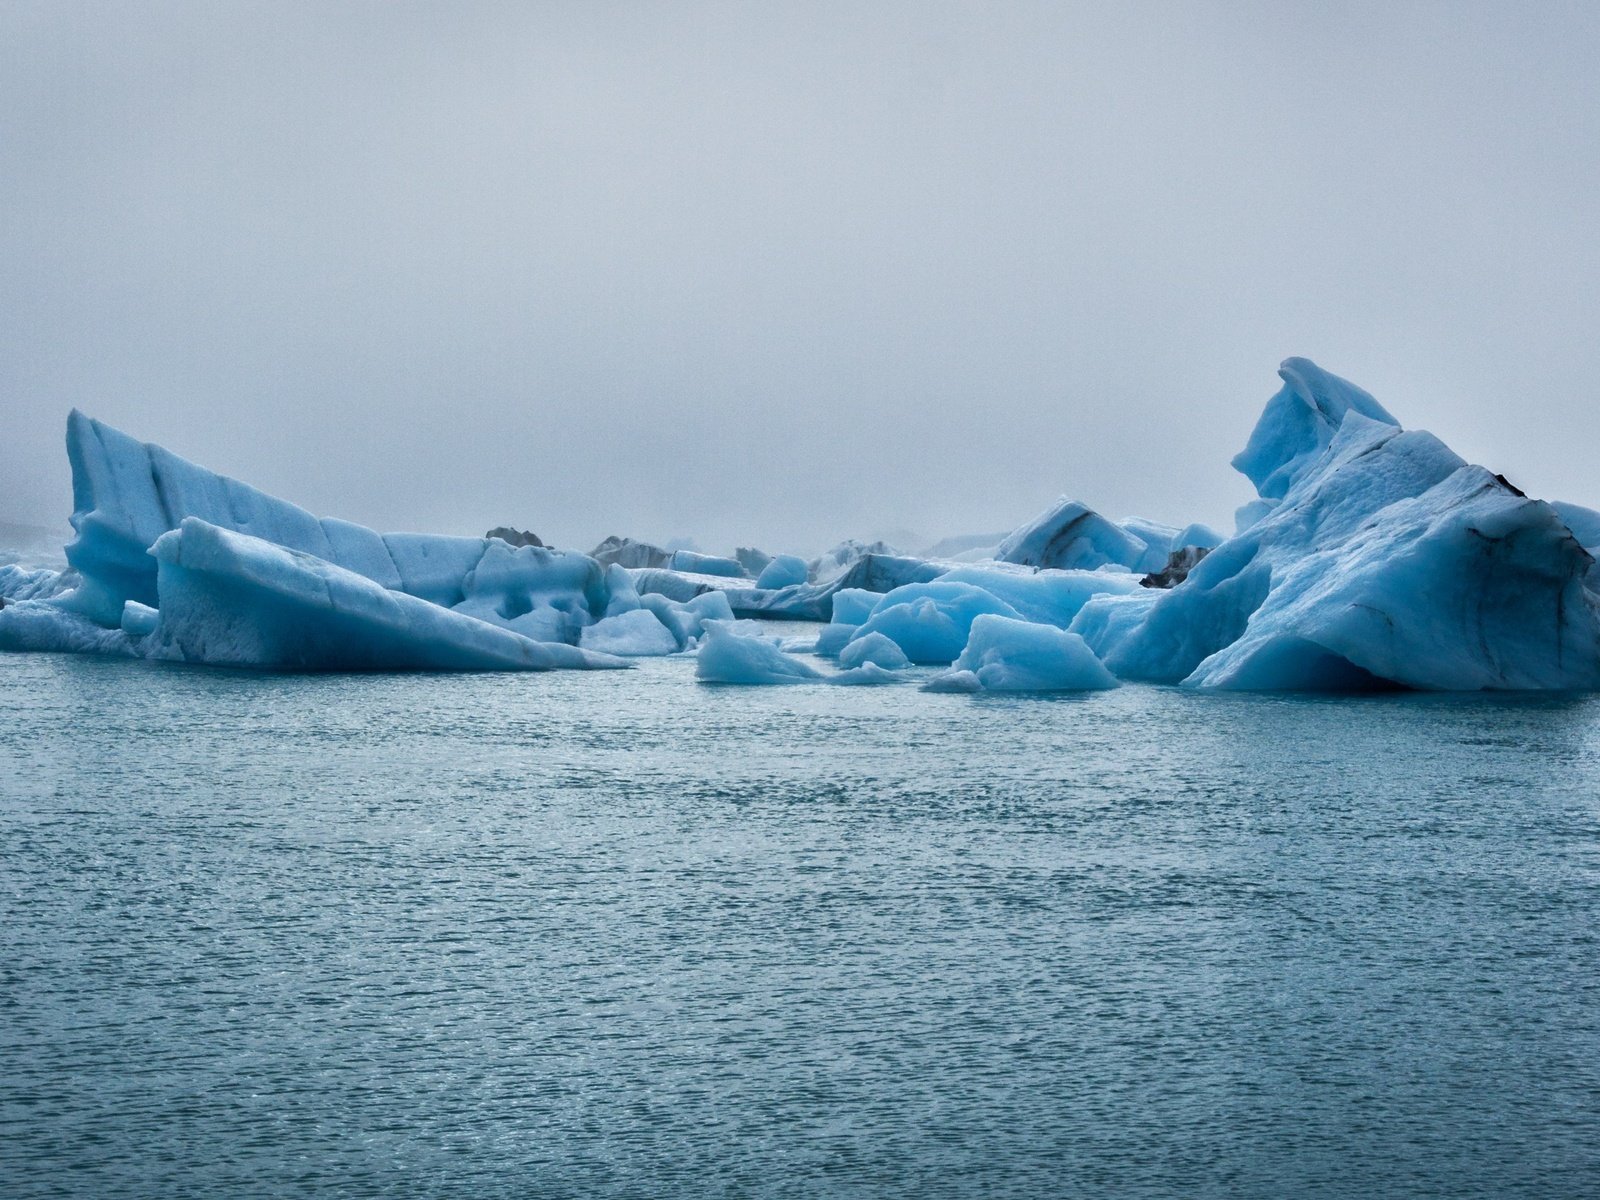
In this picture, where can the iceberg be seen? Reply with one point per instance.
(828, 567)
(1382, 560)
(226, 598)
(728, 656)
(625, 552)
(1008, 655)
(231, 599)
(876, 649)
(785, 570)
(753, 561)
(690, 562)
(930, 621)
(127, 494)
(638, 633)
(1069, 534)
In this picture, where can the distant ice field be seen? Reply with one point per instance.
(629, 934)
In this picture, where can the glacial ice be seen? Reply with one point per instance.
(866, 673)
(1385, 560)
(40, 625)
(36, 583)
(1298, 424)
(690, 562)
(874, 648)
(230, 599)
(852, 606)
(930, 621)
(1584, 523)
(1050, 597)
(833, 638)
(1070, 535)
(785, 570)
(127, 494)
(1371, 557)
(1008, 655)
(728, 656)
(638, 633)
(1157, 539)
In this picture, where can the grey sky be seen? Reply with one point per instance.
(781, 274)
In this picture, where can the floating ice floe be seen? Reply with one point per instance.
(786, 570)
(1007, 655)
(728, 656)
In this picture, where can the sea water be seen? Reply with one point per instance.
(625, 934)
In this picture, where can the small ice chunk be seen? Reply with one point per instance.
(139, 620)
(876, 649)
(953, 681)
(635, 634)
(728, 655)
(784, 571)
(866, 673)
(1007, 655)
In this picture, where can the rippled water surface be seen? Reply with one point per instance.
(625, 934)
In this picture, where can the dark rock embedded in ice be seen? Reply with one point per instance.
(1179, 563)
(514, 537)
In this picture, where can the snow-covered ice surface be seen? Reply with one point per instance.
(1373, 557)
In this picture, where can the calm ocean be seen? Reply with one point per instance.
(623, 934)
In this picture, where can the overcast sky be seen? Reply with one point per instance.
(781, 274)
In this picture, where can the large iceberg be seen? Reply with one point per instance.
(127, 494)
(230, 599)
(1380, 559)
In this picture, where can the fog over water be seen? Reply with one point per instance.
(783, 274)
